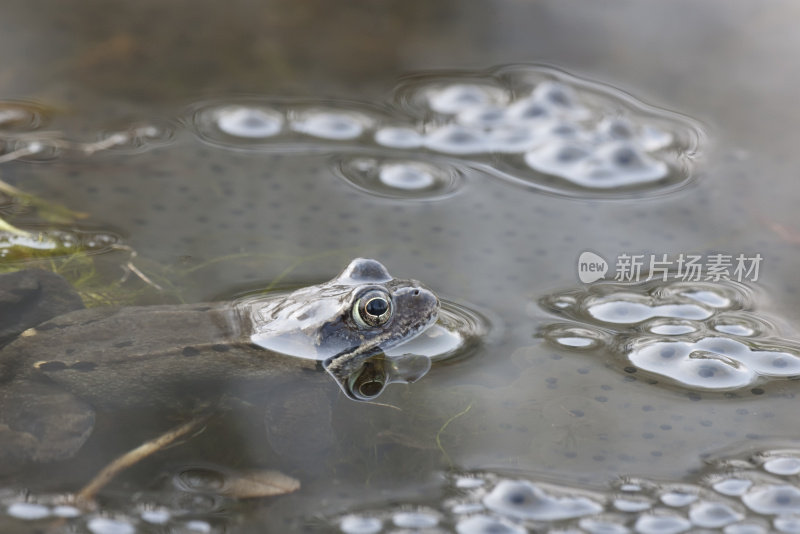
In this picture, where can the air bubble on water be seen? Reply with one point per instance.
(524, 500)
(575, 342)
(786, 465)
(411, 176)
(155, 515)
(709, 298)
(632, 505)
(667, 329)
(603, 525)
(197, 525)
(627, 312)
(466, 508)
(708, 514)
(415, 520)
(773, 499)
(107, 525)
(66, 511)
(399, 137)
(358, 524)
(456, 139)
(732, 487)
(406, 179)
(744, 528)
(249, 122)
(661, 524)
(28, 510)
(572, 336)
(678, 497)
(452, 99)
(482, 524)
(332, 125)
(789, 524)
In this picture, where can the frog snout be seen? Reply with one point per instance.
(418, 298)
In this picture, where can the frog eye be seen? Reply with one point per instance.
(372, 309)
(369, 382)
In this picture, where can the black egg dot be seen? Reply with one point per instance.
(516, 498)
(706, 372)
(667, 352)
(625, 157)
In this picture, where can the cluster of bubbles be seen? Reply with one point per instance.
(700, 336)
(753, 495)
(530, 125)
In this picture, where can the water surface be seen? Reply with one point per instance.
(213, 213)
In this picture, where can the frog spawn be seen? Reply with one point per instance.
(526, 124)
(700, 336)
(749, 493)
(481, 503)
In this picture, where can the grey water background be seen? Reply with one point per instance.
(731, 66)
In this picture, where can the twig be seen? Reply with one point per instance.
(130, 458)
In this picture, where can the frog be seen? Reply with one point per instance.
(56, 376)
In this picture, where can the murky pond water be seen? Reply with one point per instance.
(603, 198)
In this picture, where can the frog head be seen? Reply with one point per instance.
(346, 322)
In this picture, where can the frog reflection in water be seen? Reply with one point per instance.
(56, 374)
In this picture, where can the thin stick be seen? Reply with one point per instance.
(130, 458)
